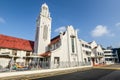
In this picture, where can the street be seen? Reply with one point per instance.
(100, 73)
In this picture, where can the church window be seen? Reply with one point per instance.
(57, 44)
(45, 32)
(56, 60)
(37, 32)
(72, 44)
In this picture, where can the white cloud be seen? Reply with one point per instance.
(60, 29)
(2, 20)
(99, 31)
(118, 24)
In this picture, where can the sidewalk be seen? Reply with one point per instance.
(110, 66)
(40, 73)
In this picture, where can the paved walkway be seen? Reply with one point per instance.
(51, 72)
(40, 73)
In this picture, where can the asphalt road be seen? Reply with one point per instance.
(93, 74)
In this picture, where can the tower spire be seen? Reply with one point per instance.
(43, 30)
(45, 10)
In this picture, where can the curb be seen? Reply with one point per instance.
(106, 67)
(45, 74)
(102, 66)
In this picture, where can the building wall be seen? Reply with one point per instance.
(97, 53)
(75, 52)
(110, 57)
(64, 52)
(4, 62)
(6, 55)
(5, 50)
(86, 51)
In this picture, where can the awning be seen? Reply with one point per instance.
(46, 54)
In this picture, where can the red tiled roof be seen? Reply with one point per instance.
(54, 40)
(46, 54)
(15, 43)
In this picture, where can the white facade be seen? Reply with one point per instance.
(97, 54)
(6, 55)
(43, 31)
(86, 51)
(110, 57)
(69, 50)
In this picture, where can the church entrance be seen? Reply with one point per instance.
(44, 62)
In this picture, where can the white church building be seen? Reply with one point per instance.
(64, 50)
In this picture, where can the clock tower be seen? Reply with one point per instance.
(43, 30)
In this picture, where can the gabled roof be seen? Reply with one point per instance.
(54, 40)
(16, 43)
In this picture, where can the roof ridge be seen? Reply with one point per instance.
(15, 37)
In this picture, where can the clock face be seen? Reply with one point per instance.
(45, 32)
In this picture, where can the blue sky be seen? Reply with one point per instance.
(97, 20)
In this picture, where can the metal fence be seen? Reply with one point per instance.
(41, 65)
(69, 64)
